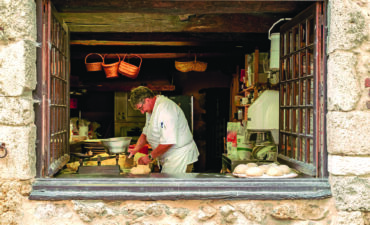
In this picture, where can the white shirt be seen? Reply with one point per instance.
(167, 125)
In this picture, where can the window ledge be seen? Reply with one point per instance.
(178, 188)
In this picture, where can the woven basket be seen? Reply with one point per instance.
(199, 66)
(187, 66)
(184, 66)
(93, 66)
(111, 70)
(129, 70)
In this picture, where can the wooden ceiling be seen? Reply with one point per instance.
(172, 17)
(220, 32)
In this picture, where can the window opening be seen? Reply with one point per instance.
(298, 78)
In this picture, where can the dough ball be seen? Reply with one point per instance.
(140, 169)
(273, 164)
(240, 169)
(264, 167)
(285, 169)
(274, 171)
(252, 165)
(254, 171)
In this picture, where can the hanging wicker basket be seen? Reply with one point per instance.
(94, 66)
(187, 66)
(184, 66)
(128, 69)
(111, 70)
(199, 66)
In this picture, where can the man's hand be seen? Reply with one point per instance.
(132, 151)
(144, 160)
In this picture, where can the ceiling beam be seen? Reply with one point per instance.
(136, 43)
(156, 55)
(178, 7)
(138, 23)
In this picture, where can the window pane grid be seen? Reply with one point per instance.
(58, 93)
(296, 100)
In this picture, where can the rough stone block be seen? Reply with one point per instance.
(347, 165)
(17, 68)
(348, 133)
(351, 193)
(18, 20)
(16, 110)
(344, 89)
(345, 218)
(347, 25)
(20, 163)
(297, 211)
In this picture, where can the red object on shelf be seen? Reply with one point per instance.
(242, 75)
(144, 150)
(73, 103)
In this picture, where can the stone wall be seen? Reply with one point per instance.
(348, 131)
(348, 117)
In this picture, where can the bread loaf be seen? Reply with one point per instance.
(285, 169)
(254, 172)
(274, 171)
(240, 169)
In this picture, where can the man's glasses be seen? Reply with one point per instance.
(141, 107)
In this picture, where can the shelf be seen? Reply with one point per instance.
(249, 89)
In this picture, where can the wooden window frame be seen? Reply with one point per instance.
(190, 186)
(52, 114)
(302, 92)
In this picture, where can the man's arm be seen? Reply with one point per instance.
(139, 144)
(160, 150)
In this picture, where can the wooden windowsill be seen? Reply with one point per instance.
(189, 187)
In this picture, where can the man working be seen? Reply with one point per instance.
(166, 130)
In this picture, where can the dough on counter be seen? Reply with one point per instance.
(274, 171)
(140, 169)
(252, 165)
(264, 167)
(240, 169)
(285, 169)
(254, 172)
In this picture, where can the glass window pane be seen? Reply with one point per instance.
(296, 93)
(296, 65)
(290, 74)
(304, 120)
(310, 91)
(283, 70)
(287, 116)
(303, 71)
(290, 42)
(311, 28)
(311, 150)
(297, 120)
(288, 94)
(310, 61)
(283, 144)
(296, 39)
(302, 34)
(283, 94)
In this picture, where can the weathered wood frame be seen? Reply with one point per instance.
(297, 79)
(52, 91)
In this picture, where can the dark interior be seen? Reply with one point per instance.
(220, 33)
